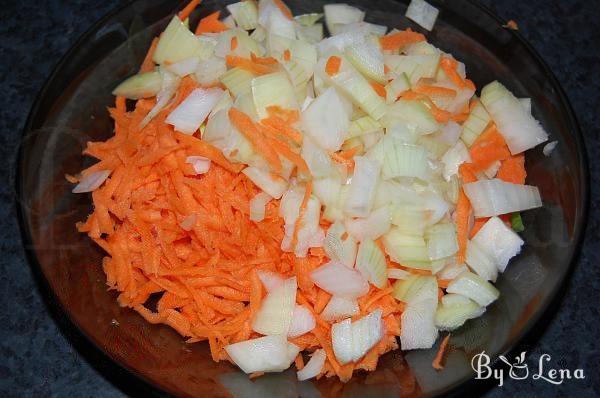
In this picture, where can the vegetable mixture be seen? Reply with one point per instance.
(288, 197)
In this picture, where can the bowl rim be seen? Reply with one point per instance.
(86, 346)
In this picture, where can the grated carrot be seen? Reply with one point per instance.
(398, 40)
(234, 43)
(333, 65)
(187, 10)
(439, 357)
(512, 170)
(211, 24)
(247, 64)
(148, 63)
(287, 55)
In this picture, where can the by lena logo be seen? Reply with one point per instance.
(519, 370)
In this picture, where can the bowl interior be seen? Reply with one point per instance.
(72, 110)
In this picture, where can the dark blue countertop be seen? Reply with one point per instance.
(37, 360)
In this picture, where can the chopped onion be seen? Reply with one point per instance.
(303, 321)
(496, 197)
(453, 158)
(416, 288)
(273, 89)
(371, 227)
(412, 113)
(403, 160)
(327, 119)
(410, 219)
(192, 112)
(314, 366)
(270, 280)
(418, 328)
(549, 148)
(441, 240)
(167, 90)
(478, 260)
(477, 121)
(264, 354)
(90, 182)
(370, 262)
(187, 224)
(451, 271)
(475, 288)
(396, 87)
(317, 159)
(402, 248)
(450, 133)
(341, 14)
(142, 85)
(276, 310)
(455, 310)
(237, 80)
(338, 280)
(338, 249)
(258, 205)
(311, 34)
(364, 125)
(200, 164)
(397, 273)
(499, 242)
(176, 43)
(245, 14)
(362, 187)
(339, 308)
(327, 190)
(520, 130)
(210, 71)
(423, 13)
(368, 59)
(271, 184)
(352, 340)
(184, 67)
(308, 19)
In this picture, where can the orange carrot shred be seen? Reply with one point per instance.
(395, 41)
(211, 24)
(234, 43)
(379, 89)
(263, 60)
(439, 357)
(247, 64)
(333, 65)
(284, 8)
(512, 170)
(287, 55)
(185, 13)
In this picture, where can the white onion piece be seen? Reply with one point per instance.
(303, 321)
(271, 184)
(192, 112)
(327, 119)
(170, 82)
(549, 148)
(418, 326)
(258, 205)
(455, 310)
(339, 308)
(184, 67)
(472, 286)
(340, 250)
(492, 170)
(370, 262)
(478, 260)
(270, 280)
(275, 313)
(496, 197)
(453, 158)
(423, 13)
(352, 340)
(371, 227)
(520, 130)
(499, 242)
(187, 224)
(362, 187)
(337, 15)
(91, 181)
(264, 354)
(314, 365)
(450, 133)
(397, 273)
(200, 164)
(338, 280)
(451, 271)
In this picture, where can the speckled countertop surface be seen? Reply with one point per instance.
(37, 360)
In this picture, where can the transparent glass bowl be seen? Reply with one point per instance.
(137, 356)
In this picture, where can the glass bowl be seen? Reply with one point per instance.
(137, 356)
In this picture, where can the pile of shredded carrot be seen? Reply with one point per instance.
(181, 248)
